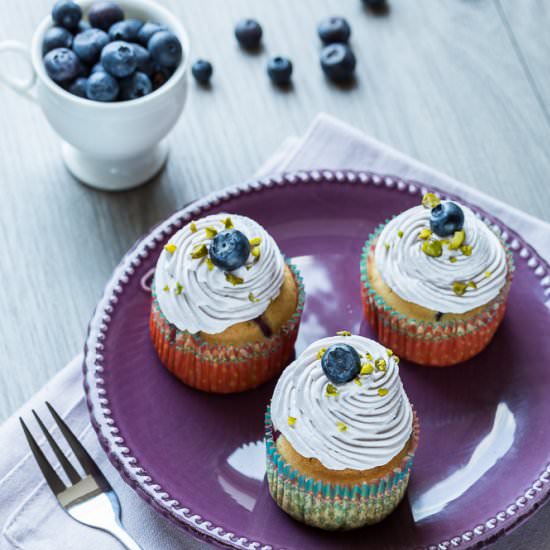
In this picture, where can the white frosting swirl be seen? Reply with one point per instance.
(207, 301)
(377, 426)
(428, 281)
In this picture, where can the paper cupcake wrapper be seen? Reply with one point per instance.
(431, 343)
(330, 506)
(220, 368)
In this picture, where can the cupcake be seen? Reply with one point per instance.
(434, 282)
(226, 305)
(340, 434)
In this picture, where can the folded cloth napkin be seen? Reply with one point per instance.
(29, 516)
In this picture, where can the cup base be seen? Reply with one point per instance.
(114, 174)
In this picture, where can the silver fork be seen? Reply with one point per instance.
(89, 499)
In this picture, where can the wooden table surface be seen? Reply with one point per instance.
(462, 85)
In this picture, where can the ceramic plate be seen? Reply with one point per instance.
(483, 460)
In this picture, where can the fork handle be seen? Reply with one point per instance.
(120, 533)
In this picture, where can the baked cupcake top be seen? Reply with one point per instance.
(441, 256)
(218, 271)
(343, 403)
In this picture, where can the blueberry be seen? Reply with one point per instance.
(88, 45)
(334, 30)
(341, 363)
(103, 15)
(160, 75)
(62, 65)
(229, 250)
(126, 30)
(83, 26)
(446, 218)
(202, 71)
(78, 87)
(67, 14)
(148, 30)
(338, 62)
(98, 67)
(102, 87)
(56, 37)
(144, 61)
(248, 32)
(279, 70)
(118, 59)
(165, 49)
(135, 86)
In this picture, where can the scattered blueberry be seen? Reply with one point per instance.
(135, 86)
(446, 218)
(98, 67)
(202, 71)
(334, 30)
(248, 33)
(78, 87)
(56, 37)
(103, 15)
(102, 87)
(160, 75)
(165, 48)
(83, 26)
(67, 14)
(229, 250)
(119, 59)
(279, 70)
(148, 30)
(341, 363)
(144, 61)
(62, 65)
(88, 45)
(126, 30)
(338, 62)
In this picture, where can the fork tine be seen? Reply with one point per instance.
(80, 452)
(53, 480)
(66, 465)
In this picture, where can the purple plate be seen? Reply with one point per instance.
(483, 460)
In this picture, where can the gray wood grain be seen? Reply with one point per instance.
(441, 80)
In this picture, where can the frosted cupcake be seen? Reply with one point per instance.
(226, 306)
(341, 434)
(434, 282)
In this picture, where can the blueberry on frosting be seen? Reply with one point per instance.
(229, 250)
(446, 218)
(341, 363)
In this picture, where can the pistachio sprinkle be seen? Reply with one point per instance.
(234, 279)
(291, 421)
(179, 289)
(343, 333)
(209, 264)
(331, 390)
(382, 392)
(321, 352)
(367, 368)
(459, 288)
(400, 234)
(458, 240)
(432, 248)
(256, 241)
(430, 200)
(425, 234)
(228, 223)
(380, 364)
(193, 227)
(210, 232)
(200, 251)
(170, 248)
(341, 426)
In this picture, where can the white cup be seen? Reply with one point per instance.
(112, 146)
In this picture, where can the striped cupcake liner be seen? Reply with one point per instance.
(331, 506)
(430, 343)
(220, 368)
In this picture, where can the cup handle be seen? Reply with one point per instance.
(21, 85)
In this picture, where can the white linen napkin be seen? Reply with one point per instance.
(30, 518)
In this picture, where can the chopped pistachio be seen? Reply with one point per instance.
(343, 333)
(256, 241)
(291, 421)
(458, 240)
(488, 274)
(341, 426)
(228, 223)
(331, 390)
(389, 352)
(233, 279)
(321, 352)
(170, 247)
(209, 264)
(210, 232)
(400, 234)
(253, 298)
(382, 392)
(452, 259)
(466, 249)
(358, 381)
(387, 246)
(166, 288)
(367, 368)
(368, 356)
(425, 234)
(193, 227)
(459, 288)
(430, 200)
(179, 289)
(432, 248)
(255, 251)
(396, 359)
(200, 251)
(380, 364)
(472, 284)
